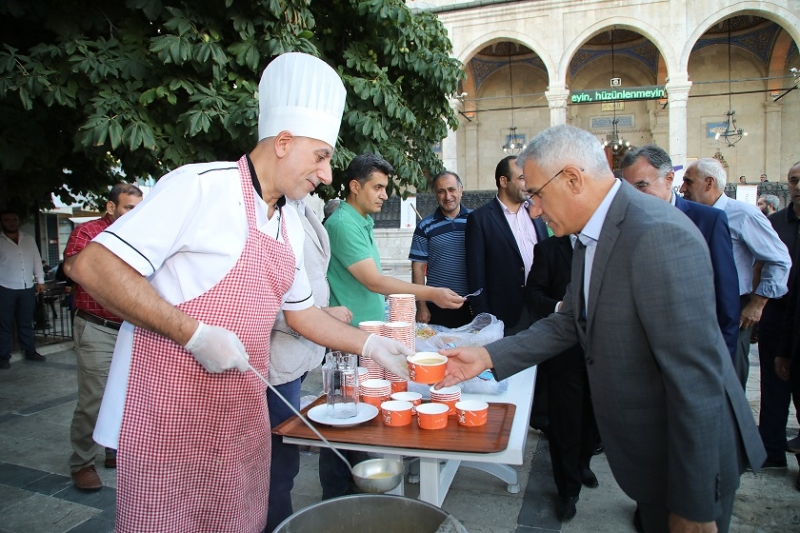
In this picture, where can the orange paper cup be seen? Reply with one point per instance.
(414, 398)
(374, 400)
(396, 413)
(432, 415)
(399, 386)
(472, 413)
(426, 367)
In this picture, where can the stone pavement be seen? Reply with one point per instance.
(37, 496)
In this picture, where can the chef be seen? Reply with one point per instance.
(199, 271)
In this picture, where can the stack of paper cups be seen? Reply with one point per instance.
(400, 331)
(402, 308)
(363, 375)
(375, 391)
(447, 395)
(374, 370)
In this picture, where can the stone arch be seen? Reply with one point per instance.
(654, 35)
(777, 65)
(787, 20)
(487, 39)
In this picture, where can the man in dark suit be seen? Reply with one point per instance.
(500, 238)
(778, 340)
(676, 426)
(649, 169)
(572, 430)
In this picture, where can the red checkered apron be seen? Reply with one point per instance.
(194, 448)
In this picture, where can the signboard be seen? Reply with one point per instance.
(408, 212)
(591, 96)
(611, 106)
(607, 123)
(712, 128)
(747, 193)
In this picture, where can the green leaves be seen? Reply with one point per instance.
(140, 87)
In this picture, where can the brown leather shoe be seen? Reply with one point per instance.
(87, 479)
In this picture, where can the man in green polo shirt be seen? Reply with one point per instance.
(356, 282)
(354, 273)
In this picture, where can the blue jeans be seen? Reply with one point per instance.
(16, 305)
(285, 457)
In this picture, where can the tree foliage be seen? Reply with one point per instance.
(93, 91)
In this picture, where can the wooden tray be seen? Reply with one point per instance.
(492, 437)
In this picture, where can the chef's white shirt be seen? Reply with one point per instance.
(185, 237)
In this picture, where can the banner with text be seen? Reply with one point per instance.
(591, 96)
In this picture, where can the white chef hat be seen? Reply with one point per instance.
(301, 94)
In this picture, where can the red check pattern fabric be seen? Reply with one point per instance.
(80, 237)
(195, 448)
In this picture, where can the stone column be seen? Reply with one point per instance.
(471, 174)
(678, 92)
(772, 142)
(449, 153)
(557, 99)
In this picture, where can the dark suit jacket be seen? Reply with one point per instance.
(713, 224)
(494, 263)
(675, 422)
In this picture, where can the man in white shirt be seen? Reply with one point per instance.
(20, 267)
(199, 272)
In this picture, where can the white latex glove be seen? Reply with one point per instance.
(388, 353)
(217, 349)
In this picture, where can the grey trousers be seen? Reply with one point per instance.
(655, 518)
(94, 346)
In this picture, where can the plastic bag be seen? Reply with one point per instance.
(483, 329)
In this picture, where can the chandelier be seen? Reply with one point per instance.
(732, 133)
(515, 143)
(616, 143)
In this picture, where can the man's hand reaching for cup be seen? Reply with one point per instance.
(464, 363)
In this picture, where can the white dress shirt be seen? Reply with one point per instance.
(754, 239)
(523, 231)
(20, 264)
(590, 234)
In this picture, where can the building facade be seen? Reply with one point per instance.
(678, 69)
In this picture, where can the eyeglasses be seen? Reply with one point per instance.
(538, 194)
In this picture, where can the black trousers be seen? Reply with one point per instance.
(741, 364)
(16, 306)
(572, 427)
(775, 393)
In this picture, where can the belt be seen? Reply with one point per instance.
(100, 321)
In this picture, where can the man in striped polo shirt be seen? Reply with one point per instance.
(438, 247)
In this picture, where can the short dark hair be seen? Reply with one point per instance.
(9, 212)
(656, 156)
(503, 168)
(443, 174)
(362, 166)
(123, 188)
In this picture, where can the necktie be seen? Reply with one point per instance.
(579, 255)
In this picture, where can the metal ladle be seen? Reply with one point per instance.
(374, 476)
